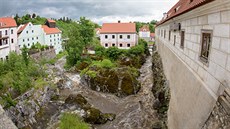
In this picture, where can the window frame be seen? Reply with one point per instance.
(113, 36)
(106, 36)
(128, 37)
(182, 39)
(201, 58)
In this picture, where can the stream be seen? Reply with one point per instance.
(132, 112)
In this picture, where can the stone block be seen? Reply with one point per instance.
(228, 63)
(218, 57)
(212, 68)
(208, 27)
(196, 48)
(194, 38)
(194, 21)
(203, 20)
(216, 42)
(220, 73)
(201, 73)
(192, 55)
(212, 83)
(225, 17)
(197, 30)
(225, 45)
(221, 30)
(214, 18)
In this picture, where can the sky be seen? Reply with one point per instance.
(99, 11)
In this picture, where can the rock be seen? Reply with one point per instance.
(93, 116)
(76, 99)
(157, 125)
(109, 116)
(119, 81)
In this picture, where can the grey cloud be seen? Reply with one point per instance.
(89, 8)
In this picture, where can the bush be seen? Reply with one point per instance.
(72, 121)
(113, 53)
(106, 63)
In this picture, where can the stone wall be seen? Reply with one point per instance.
(195, 86)
(5, 121)
(220, 115)
(47, 54)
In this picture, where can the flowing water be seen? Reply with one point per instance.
(132, 112)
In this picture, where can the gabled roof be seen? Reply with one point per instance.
(7, 22)
(118, 28)
(152, 34)
(49, 20)
(22, 27)
(183, 6)
(98, 29)
(144, 28)
(50, 30)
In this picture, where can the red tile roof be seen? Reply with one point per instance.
(22, 27)
(182, 7)
(144, 28)
(98, 29)
(50, 30)
(49, 20)
(118, 28)
(7, 22)
(152, 34)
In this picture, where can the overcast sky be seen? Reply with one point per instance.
(98, 11)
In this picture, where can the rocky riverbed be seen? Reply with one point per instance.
(42, 108)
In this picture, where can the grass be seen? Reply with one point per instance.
(106, 63)
(72, 121)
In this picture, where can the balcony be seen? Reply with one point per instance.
(3, 43)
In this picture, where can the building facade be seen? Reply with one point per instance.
(30, 34)
(121, 35)
(8, 37)
(144, 32)
(193, 40)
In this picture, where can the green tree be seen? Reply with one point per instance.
(74, 47)
(86, 29)
(25, 54)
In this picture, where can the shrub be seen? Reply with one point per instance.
(106, 63)
(72, 121)
(113, 53)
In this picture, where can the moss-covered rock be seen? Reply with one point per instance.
(76, 99)
(119, 81)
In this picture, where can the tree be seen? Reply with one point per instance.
(25, 55)
(86, 29)
(74, 46)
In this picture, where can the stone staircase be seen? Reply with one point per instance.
(224, 100)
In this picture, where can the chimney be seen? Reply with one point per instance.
(165, 15)
(119, 21)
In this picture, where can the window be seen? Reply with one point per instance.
(128, 36)
(120, 36)
(32, 31)
(50, 36)
(28, 39)
(113, 36)
(7, 57)
(120, 45)
(23, 40)
(50, 40)
(12, 40)
(28, 44)
(106, 45)
(106, 36)
(37, 37)
(32, 38)
(128, 45)
(113, 45)
(182, 33)
(12, 31)
(164, 33)
(169, 35)
(174, 40)
(206, 43)
(27, 32)
(6, 32)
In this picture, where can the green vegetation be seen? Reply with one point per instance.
(17, 75)
(106, 63)
(72, 121)
(151, 25)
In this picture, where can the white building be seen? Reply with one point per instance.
(48, 34)
(121, 35)
(193, 40)
(8, 37)
(144, 32)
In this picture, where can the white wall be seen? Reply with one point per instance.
(54, 40)
(143, 34)
(11, 46)
(192, 101)
(117, 40)
(31, 38)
